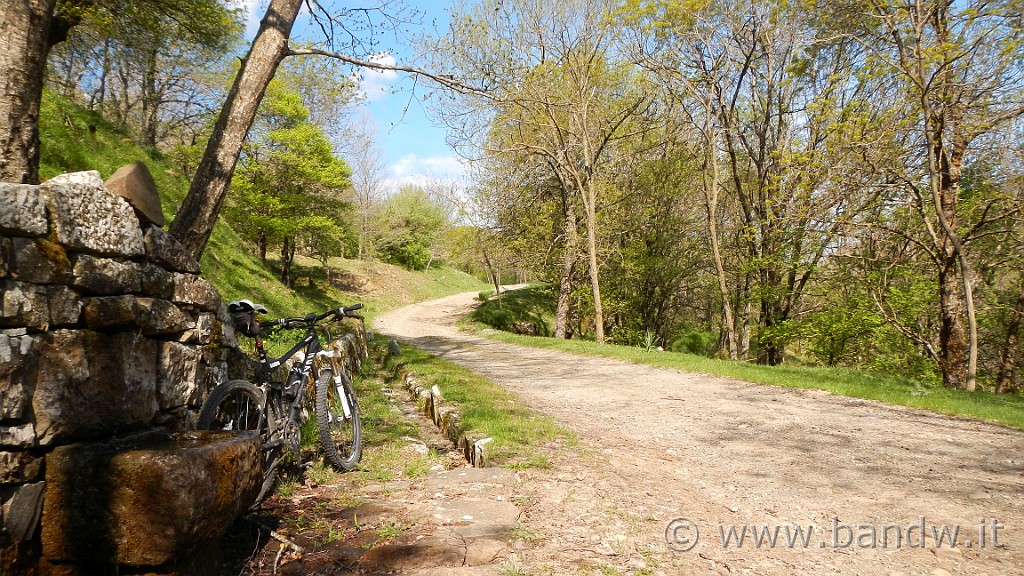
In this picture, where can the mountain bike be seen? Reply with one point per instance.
(277, 410)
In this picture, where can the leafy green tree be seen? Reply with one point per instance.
(144, 69)
(556, 91)
(952, 71)
(291, 188)
(29, 30)
(411, 224)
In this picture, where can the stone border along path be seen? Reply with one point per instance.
(453, 521)
(657, 446)
(447, 421)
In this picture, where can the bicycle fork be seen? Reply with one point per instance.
(338, 387)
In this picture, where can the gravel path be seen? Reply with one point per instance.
(670, 463)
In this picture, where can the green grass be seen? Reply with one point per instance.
(1005, 409)
(527, 310)
(75, 139)
(486, 408)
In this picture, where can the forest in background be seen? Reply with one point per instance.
(842, 186)
(781, 180)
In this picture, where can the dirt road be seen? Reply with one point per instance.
(673, 468)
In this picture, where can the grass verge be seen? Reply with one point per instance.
(1007, 409)
(486, 408)
(523, 311)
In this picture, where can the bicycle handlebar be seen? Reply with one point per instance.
(311, 319)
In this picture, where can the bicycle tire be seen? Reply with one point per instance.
(340, 435)
(239, 405)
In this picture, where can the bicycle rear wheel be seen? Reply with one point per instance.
(239, 405)
(337, 417)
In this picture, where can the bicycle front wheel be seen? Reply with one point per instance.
(337, 417)
(239, 405)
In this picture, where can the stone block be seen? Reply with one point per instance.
(208, 330)
(151, 315)
(65, 306)
(23, 210)
(146, 500)
(18, 436)
(18, 362)
(106, 276)
(180, 375)
(195, 291)
(135, 184)
(157, 282)
(21, 512)
(92, 384)
(165, 250)
(19, 466)
(90, 218)
(23, 305)
(39, 261)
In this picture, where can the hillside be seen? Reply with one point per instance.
(75, 139)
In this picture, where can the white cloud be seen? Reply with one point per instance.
(426, 171)
(376, 84)
(254, 10)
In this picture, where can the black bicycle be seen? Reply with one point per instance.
(277, 410)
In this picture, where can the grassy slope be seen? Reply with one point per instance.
(69, 145)
(889, 388)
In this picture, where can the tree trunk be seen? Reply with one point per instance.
(595, 284)
(1006, 379)
(99, 97)
(568, 264)
(287, 255)
(261, 245)
(743, 309)
(150, 100)
(202, 205)
(711, 209)
(25, 40)
(770, 351)
(953, 346)
(491, 273)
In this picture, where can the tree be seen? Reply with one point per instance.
(146, 72)
(773, 103)
(201, 206)
(953, 68)
(369, 177)
(290, 189)
(555, 91)
(411, 222)
(28, 31)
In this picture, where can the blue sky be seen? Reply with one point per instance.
(413, 147)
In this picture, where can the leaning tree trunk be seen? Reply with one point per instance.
(199, 211)
(711, 186)
(25, 40)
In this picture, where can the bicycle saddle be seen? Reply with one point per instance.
(246, 306)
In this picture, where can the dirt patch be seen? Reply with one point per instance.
(672, 468)
(452, 519)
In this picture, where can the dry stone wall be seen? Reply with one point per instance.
(106, 328)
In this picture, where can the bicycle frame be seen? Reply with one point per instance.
(266, 404)
(274, 389)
